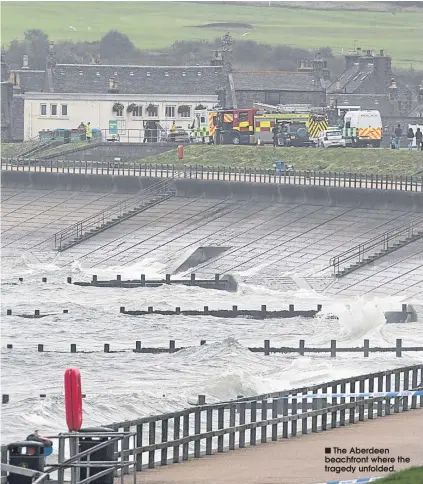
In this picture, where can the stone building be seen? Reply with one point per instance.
(368, 82)
(369, 77)
(307, 86)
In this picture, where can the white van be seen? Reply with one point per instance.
(362, 128)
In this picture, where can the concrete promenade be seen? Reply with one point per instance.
(300, 460)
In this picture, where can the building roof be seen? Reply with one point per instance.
(274, 81)
(417, 111)
(195, 80)
(351, 79)
(30, 80)
(380, 102)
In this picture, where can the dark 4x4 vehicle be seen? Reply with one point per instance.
(294, 134)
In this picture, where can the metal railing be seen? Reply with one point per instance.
(383, 242)
(204, 429)
(79, 459)
(99, 220)
(221, 173)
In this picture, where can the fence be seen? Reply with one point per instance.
(76, 232)
(222, 173)
(79, 459)
(266, 349)
(382, 242)
(204, 428)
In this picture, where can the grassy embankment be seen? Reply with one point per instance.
(414, 475)
(156, 25)
(377, 161)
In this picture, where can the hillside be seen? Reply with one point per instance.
(155, 25)
(376, 161)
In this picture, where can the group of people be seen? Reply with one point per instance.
(87, 130)
(411, 135)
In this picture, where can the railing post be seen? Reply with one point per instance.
(294, 411)
(165, 428)
(406, 386)
(361, 400)
(323, 406)
(220, 426)
(197, 431)
(371, 390)
(125, 448)
(304, 421)
(397, 388)
(343, 411)
(414, 386)
(242, 408)
(139, 445)
(264, 417)
(209, 428)
(176, 436)
(253, 418)
(388, 389)
(151, 441)
(334, 415)
(232, 420)
(61, 458)
(185, 433)
(352, 399)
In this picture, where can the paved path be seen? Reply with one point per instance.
(299, 460)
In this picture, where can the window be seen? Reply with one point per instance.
(53, 109)
(153, 111)
(137, 111)
(119, 113)
(272, 98)
(170, 112)
(43, 109)
(186, 113)
(64, 109)
(243, 116)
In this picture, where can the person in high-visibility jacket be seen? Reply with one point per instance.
(88, 132)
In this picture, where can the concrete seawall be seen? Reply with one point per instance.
(298, 194)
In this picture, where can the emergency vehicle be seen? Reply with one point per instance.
(204, 126)
(362, 128)
(255, 125)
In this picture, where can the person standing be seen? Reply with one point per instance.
(88, 132)
(398, 134)
(275, 132)
(410, 138)
(419, 145)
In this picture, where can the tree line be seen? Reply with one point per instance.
(116, 48)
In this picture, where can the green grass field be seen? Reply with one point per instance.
(409, 476)
(154, 25)
(376, 161)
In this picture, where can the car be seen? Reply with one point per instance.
(178, 136)
(331, 138)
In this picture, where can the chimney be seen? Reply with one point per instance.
(381, 53)
(318, 66)
(25, 64)
(393, 90)
(113, 86)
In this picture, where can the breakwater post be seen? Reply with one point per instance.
(267, 348)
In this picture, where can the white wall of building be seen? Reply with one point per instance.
(50, 111)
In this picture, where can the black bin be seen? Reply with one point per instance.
(104, 454)
(26, 454)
